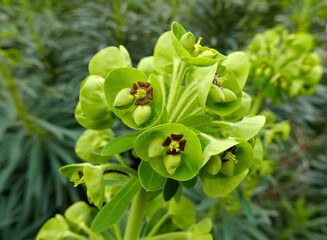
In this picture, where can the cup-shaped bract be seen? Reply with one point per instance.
(93, 177)
(178, 34)
(197, 55)
(89, 175)
(90, 144)
(239, 64)
(78, 215)
(98, 124)
(220, 102)
(108, 59)
(177, 141)
(146, 92)
(164, 53)
(237, 157)
(55, 228)
(92, 98)
(242, 110)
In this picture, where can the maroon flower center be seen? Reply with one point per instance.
(142, 92)
(175, 144)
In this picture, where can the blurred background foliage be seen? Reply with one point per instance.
(44, 50)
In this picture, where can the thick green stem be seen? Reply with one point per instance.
(256, 106)
(174, 89)
(135, 218)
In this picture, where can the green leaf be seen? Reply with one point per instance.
(182, 212)
(113, 182)
(149, 179)
(248, 127)
(196, 120)
(122, 78)
(99, 124)
(242, 110)
(170, 189)
(114, 209)
(205, 84)
(89, 145)
(177, 33)
(94, 183)
(190, 183)
(120, 144)
(191, 157)
(125, 55)
(238, 63)
(107, 59)
(204, 226)
(146, 65)
(78, 214)
(164, 53)
(257, 155)
(55, 228)
(200, 61)
(218, 186)
(92, 98)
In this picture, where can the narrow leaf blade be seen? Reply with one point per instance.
(120, 144)
(114, 209)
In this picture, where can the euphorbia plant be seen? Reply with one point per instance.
(190, 115)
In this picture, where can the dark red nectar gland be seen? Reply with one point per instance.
(175, 144)
(142, 92)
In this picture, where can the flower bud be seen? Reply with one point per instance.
(214, 164)
(123, 98)
(142, 114)
(229, 95)
(187, 41)
(172, 162)
(227, 168)
(208, 54)
(155, 148)
(216, 94)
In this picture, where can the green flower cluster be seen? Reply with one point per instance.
(190, 115)
(284, 64)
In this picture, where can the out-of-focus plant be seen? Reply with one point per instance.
(186, 103)
(228, 24)
(283, 65)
